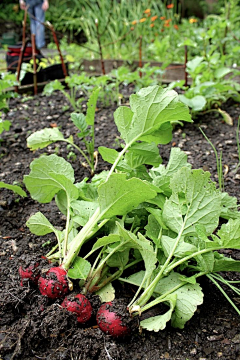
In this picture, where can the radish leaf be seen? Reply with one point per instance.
(194, 200)
(42, 138)
(159, 322)
(80, 269)
(40, 225)
(50, 174)
(118, 195)
(15, 188)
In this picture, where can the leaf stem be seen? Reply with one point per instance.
(223, 292)
(181, 261)
(161, 298)
(146, 295)
(79, 240)
(81, 152)
(65, 243)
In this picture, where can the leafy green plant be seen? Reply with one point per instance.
(184, 240)
(6, 82)
(165, 218)
(218, 162)
(114, 197)
(74, 83)
(15, 188)
(42, 138)
(4, 125)
(209, 87)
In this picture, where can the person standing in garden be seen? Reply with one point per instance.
(36, 10)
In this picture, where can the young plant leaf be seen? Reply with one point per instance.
(159, 322)
(106, 240)
(4, 124)
(38, 224)
(223, 263)
(162, 174)
(229, 207)
(150, 108)
(229, 234)
(42, 138)
(205, 262)
(196, 103)
(50, 174)
(143, 245)
(109, 155)
(119, 259)
(183, 249)
(140, 154)
(52, 86)
(118, 195)
(189, 296)
(91, 107)
(15, 188)
(83, 210)
(107, 293)
(79, 269)
(79, 121)
(194, 200)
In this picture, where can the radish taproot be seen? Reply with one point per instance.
(80, 305)
(111, 322)
(29, 273)
(54, 283)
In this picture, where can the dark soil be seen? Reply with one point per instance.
(34, 328)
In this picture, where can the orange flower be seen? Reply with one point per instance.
(142, 20)
(192, 20)
(162, 30)
(151, 25)
(153, 18)
(170, 6)
(132, 28)
(147, 11)
(166, 24)
(134, 22)
(162, 18)
(175, 26)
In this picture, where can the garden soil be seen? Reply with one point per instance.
(34, 328)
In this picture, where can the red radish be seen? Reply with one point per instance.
(30, 273)
(110, 322)
(80, 305)
(54, 283)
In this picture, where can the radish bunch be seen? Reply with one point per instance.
(53, 284)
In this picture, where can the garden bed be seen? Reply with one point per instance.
(31, 329)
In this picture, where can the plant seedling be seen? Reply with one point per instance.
(85, 123)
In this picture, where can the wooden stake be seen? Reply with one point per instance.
(100, 48)
(185, 66)
(34, 64)
(140, 55)
(23, 47)
(64, 69)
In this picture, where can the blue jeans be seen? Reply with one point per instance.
(36, 27)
